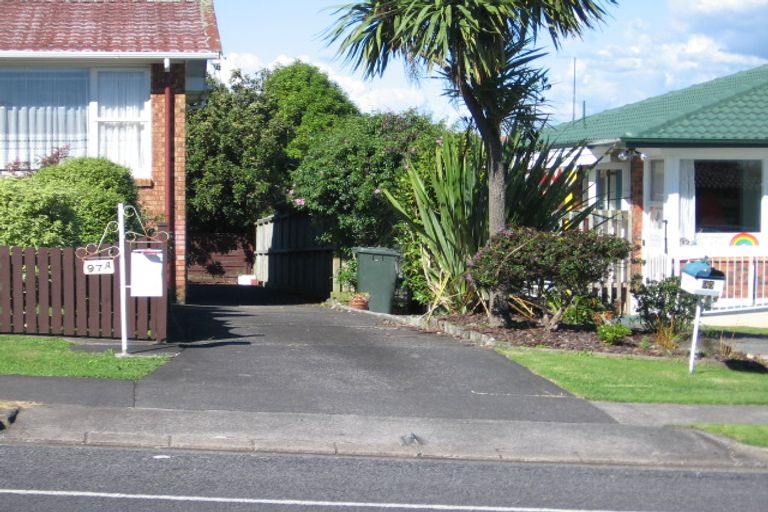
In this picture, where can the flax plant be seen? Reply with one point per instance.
(449, 219)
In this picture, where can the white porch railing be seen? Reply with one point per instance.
(746, 277)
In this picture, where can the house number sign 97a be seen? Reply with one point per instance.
(98, 267)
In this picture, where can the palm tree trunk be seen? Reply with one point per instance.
(497, 177)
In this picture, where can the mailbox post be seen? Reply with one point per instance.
(701, 280)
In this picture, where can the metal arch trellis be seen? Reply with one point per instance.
(152, 235)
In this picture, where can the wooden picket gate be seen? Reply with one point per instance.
(45, 291)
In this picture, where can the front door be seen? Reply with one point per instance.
(655, 240)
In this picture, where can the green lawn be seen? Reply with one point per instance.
(42, 356)
(628, 379)
(756, 435)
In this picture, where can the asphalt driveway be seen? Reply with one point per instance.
(310, 359)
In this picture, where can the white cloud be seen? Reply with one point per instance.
(715, 6)
(640, 61)
(248, 63)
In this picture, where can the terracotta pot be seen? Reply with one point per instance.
(358, 303)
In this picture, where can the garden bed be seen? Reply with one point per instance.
(578, 339)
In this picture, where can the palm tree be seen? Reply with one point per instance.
(482, 48)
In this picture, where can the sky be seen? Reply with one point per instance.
(643, 49)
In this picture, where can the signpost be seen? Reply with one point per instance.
(701, 280)
(123, 270)
(146, 265)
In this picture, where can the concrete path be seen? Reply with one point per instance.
(304, 379)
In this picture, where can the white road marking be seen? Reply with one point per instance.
(294, 503)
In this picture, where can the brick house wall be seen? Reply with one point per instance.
(152, 192)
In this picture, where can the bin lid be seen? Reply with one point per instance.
(702, 270)
(377, 251)
(697, 268)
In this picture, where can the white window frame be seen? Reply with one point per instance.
(672, 158)
(146, 118)
(599, 172)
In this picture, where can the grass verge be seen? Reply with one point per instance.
(755, 435)
(630, 379)
(52, 357)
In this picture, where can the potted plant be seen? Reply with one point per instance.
(359, 300)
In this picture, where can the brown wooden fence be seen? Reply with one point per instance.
(218, 258)
(44, 291)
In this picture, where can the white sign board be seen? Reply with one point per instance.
(98, 267)
(146, 273)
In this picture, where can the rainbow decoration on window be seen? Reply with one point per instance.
(744, 239)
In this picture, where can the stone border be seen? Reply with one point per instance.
(429, 324)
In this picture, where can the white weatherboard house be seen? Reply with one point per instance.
(685, 173)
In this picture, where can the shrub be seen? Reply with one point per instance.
(96, 185)
(664, 308)
(347, 274)
(613, 333)
(548, 269)
(36, 216)
(583, 310)
(447, 224)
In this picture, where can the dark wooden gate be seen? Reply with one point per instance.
(45, 291)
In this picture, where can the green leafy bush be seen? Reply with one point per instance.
(36, 216)
(347, 274)
(613, 333)
(664, 308)
(549, 270)
(96, 185)
(583, 310)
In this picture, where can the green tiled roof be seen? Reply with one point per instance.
(731, 110)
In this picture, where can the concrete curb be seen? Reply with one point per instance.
(349, 435)
(428, 323)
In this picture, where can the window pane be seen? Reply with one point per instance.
(121, 102)
(609, 186)
(122, 143)
(728, 195)
(657, 181)
(41, 110)
(122, 95)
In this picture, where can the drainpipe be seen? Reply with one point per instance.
(169, 168)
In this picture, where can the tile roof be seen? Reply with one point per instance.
(726, 111)
(112, 26)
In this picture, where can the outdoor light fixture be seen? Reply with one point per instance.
(629, 153)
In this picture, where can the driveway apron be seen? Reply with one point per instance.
(309, 359)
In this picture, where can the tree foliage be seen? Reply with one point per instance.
(235, 160)
(544, 186)
(249, 135)
(305, 101)
(482, 48)
(340, 179)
